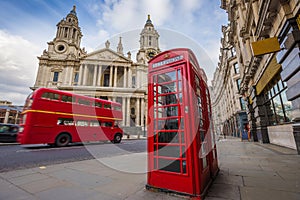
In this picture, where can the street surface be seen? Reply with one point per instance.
(14, 157)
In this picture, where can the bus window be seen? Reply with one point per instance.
(82, 123)
(107, 106)
(50, 95)
(97, 104)
(84, 102)
(65, 121)
(107, 124)
(94, 123)
(66, 98)
(117, 108)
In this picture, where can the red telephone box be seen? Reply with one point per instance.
(182, 155)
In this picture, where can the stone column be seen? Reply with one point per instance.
(128, 111)
(80, 75)
(85, 71)
(71, 78)
(137, 78)
(138, 112)
(110, 75)
(142, 111)
(115, 76)
(129, 77)
(99, 75)
(125, 77)
(95, 75)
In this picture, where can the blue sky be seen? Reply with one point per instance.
(27, 25)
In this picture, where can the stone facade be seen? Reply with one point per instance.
(228, 106)
(104, 73)
(270, 81)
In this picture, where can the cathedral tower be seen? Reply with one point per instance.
(148, 43)
(53, 69)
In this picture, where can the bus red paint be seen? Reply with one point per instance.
(58, 118)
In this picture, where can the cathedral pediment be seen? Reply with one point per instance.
(106, 55)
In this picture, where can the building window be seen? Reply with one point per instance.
(236, 68)
(233, 52)
(242, 103)
(55, 76)
(238, 84)
(280, 107)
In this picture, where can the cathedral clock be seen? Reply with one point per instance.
(150, 53)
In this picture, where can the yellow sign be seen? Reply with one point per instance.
(265, 46)
(272, 69)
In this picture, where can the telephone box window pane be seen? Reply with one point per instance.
(168, 137)
(166, 77)
(155, 163)
(169, 165)
(171, 99)
(181, 123)
(171, 124)
(179, 74)
(182, 137)
(184, 166)
(179, 86)
(183, 151)
(169, 151)
(172, 111)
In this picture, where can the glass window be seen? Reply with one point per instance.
(238, 83)
(84, 102)
(107, 124)
(82, 123)
(65, 121)
(55, 76)
(287, 105)
(107, 106)
(50, 95)
(236, 68)
(242, 103)
(278, 109)
(166, 77)
(94, 123)
(66, 98)
(97, 104)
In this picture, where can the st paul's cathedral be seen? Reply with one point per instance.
(105, 73)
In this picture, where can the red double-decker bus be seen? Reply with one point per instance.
(182, 154)
(58, 118)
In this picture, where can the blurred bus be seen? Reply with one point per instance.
(58, 118)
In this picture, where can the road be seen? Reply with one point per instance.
(14, 157)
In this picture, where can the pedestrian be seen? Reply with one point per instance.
(249, 132)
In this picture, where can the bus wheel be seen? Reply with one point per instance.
(117, 138)
(62, 140)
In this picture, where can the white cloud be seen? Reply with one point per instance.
(18, 64)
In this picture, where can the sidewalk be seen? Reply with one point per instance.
(247, 171)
